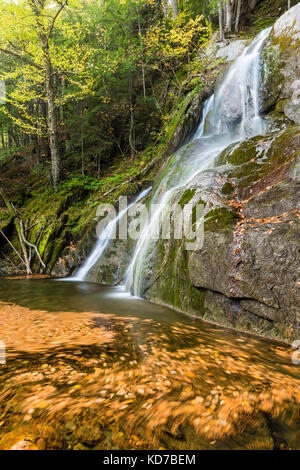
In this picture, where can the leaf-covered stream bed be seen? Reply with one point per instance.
(89, 368)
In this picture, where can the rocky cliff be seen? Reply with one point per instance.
(246, 276)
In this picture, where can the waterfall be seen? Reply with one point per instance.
(104, 239)
(230, 115)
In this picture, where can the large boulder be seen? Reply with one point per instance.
(245, 275)
(281, 66)
(231, 50)
(288, 25)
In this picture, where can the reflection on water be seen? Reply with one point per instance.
(57, 296)
(88, 367)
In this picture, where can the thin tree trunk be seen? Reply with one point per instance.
(289, 4)
(13, 212)
(131, 129)
(44, 35)
(221, 24)
(174, 5)
(52, 123)
(143, 65)
(228, 15)
(99, 164)
(238, 14)
(82, 142)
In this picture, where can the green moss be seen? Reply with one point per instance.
(219, 219)
(179, 113)
(223, 157)
(5, 218)
(173, 286)
(280, 106)
(227, 189)
(246, 152)
(271, 74)
(255, 158)
(186, 197)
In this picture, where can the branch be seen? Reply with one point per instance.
(21, 57)
(62, 6)
(20, 232)
(31, 245)
(9, 242)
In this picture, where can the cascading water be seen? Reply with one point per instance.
(104, 239)
(230, 115)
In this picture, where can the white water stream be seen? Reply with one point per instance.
(104, 240)
(228, 116)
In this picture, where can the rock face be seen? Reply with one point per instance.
(289, 24)
(232, 50)
(281, 71)
(245, 276)
(189, 120)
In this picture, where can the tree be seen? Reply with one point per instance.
(43, 52)
(174, 6)
(228, 15)
(44, 31)
(221, 24)
(238, 14)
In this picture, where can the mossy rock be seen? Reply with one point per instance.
(228, 189)
(247, 151)
(172, 286)
(272, 75)
(280, 106)
(223, 157)
(255, 158)
(220, 219)
(186, 197)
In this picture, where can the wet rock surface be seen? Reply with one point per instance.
(246, 274)
(281, 69)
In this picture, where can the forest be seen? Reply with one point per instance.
(81, 77)
(110, 342)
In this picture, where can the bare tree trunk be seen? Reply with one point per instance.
(221, 24)
(143, 65)
(228, 15)
(131, 129)
(289, 4)
(52, 122)
(165, 7)
(12, 210)
(44, 36)
(174, 5)
(99, 164)
(82, 142)
(238, 14)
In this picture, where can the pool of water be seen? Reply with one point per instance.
(88, 366)
(58, 295)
